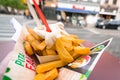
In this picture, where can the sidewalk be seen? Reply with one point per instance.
(110, 32)
(27, 20)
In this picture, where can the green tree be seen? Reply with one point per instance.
(15, 4)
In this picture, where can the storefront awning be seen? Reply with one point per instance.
(76, 11)
(107, 13)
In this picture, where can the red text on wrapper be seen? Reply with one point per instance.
(25, 61)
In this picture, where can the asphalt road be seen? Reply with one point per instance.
(90, 34)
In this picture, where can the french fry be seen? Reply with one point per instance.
(77, 42)
(40, 76)
(51, 75)
(74, 40)
(44, 52)
(69, 49)
(42, 45)
(53, 47)
(75, 55)
(71, 52)
(66, 41)
(50, 52)
(62, 52)
(36, 36)
(50, 65)
(69, 37)
(39, 52)
(35, 44)
(80, 51)
(28, 48)
(29, 38)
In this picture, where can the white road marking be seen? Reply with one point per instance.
(92, 30)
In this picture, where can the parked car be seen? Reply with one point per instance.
(114, 24)
(101, 23)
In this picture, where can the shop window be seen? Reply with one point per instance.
(114, 1)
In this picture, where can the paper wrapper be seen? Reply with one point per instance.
(22, 67)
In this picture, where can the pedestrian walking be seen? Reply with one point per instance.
(74, 20)
(27, 14)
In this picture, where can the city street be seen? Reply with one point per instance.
(89, 33)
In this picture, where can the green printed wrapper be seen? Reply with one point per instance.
(22, 67)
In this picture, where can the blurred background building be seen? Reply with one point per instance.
(77, 9)
(109, 9)
(71, 10)
(80, 9)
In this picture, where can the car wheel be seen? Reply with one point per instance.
(104, 27)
